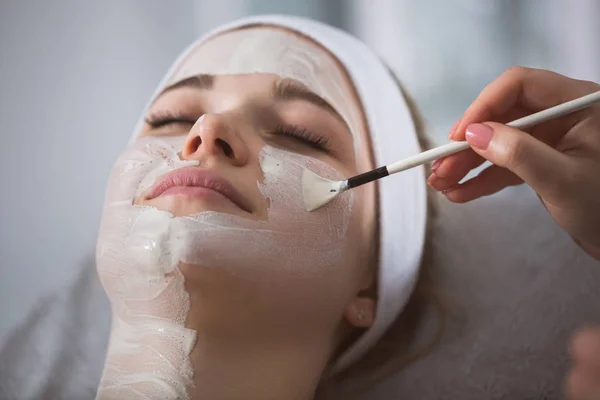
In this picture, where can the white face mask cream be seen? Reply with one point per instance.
(140, 248)
(279, 52)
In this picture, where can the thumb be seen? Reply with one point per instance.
(537, 164)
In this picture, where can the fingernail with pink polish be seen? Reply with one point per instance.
(453, 128)
(449, 190)
(479, 135)
(432, 178)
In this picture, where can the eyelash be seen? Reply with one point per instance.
(159, 120)
(303, 135)
(312, 139)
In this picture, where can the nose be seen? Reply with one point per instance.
(213, 136)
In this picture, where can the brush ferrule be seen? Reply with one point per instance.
(343, 186)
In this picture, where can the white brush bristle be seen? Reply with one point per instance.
(318, 191)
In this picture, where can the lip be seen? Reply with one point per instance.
(195, 180)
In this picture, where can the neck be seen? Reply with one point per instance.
(242, 369)
(177, 339)
(143, 362)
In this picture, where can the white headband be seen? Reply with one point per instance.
(403, 200)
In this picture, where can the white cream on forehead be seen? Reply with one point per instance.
(139, 250)
(275, 51)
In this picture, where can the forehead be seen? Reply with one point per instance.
(277, 51)
(264, 49)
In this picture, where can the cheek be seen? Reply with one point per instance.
(363, 230)
(322, 260)
(292, 244)
(361, 235)
(139, 166)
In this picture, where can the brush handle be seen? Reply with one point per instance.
(521, 123)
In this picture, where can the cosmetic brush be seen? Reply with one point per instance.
(318, 191)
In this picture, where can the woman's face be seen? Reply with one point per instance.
(258, 268)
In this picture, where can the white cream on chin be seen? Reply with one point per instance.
(139, 250)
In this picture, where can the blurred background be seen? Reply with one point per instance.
(75, 76)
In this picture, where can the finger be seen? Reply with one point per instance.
(454, 167)
(489, 181)
(581, 386)
(528, 90)
(543, 168)
(440, 184)
(585, 349)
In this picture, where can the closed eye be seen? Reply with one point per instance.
(304, 136)
(163, 120)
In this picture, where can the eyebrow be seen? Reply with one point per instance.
(202, 82)
(286, 90)
(283, 90)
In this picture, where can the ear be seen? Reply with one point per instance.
(360, 312)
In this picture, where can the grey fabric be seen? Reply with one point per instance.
(521, 288)
(58, 351)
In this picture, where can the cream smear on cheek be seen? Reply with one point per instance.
(139, 250)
